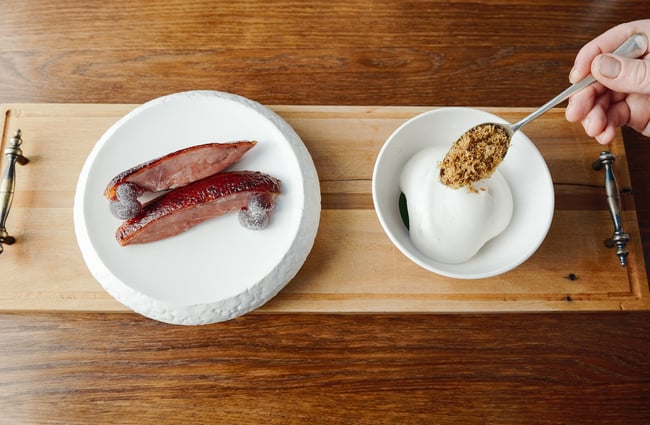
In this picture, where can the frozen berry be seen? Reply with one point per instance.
(128, 192)
(254, 220)
(125, 209)
(259, 202)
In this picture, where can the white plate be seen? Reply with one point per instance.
(217, 270)
(523, 168)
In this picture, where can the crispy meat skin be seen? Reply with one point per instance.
(182, 208)
(181, 167)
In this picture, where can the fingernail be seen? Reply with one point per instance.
(609, 66)
(601, 139)
(571, 74)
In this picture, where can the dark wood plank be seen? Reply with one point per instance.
(327, 369)
(493, 53)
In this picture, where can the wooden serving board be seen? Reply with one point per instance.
(353, 266)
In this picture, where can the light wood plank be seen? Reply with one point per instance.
(353, 266)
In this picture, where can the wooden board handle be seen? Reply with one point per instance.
(8, 185)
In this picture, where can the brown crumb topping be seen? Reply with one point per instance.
(474, 156)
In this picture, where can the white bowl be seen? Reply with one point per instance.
(523, 168)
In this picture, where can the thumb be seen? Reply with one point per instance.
(621, 74)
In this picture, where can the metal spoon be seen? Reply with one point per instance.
(478, 152)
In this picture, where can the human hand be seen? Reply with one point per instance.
(621, 95)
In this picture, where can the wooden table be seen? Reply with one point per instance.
(497, 368)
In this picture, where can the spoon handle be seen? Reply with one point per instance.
(634, 47)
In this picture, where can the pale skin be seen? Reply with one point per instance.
(621, 95)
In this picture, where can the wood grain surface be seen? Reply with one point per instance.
(551, 368)
(353, 267)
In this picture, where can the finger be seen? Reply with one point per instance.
(582, 63)
(595, 122)
(603, 106)
(606, 136)
(582, 102)
(618, 115)
(598, 118)
(605, 43)
(622, 74)
(639, 118)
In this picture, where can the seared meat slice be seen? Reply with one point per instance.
(182, 208)
(173, 170)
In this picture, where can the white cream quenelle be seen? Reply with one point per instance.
(451, 225)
